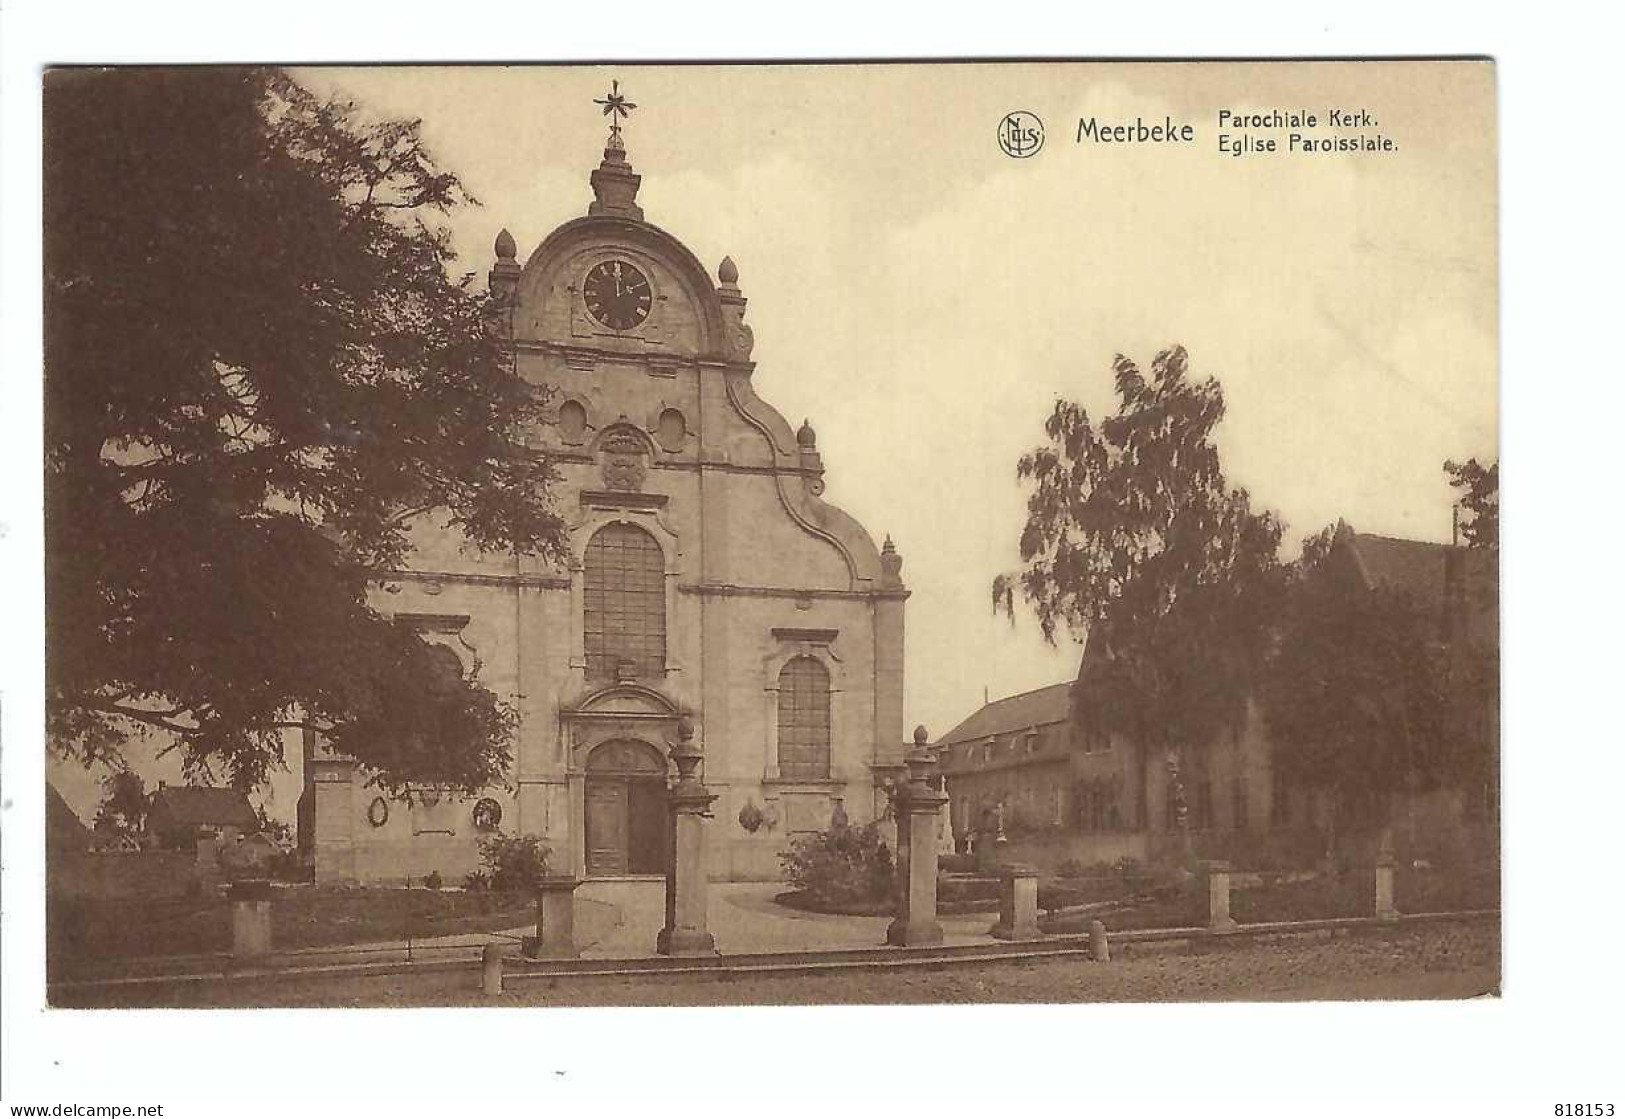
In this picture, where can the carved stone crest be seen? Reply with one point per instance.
(622, 459)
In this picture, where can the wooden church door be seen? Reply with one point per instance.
(626, 814)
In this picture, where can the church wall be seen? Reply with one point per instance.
(733, 500)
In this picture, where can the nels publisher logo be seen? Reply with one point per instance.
(1021, 134)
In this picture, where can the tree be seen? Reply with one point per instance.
(259, 375)
(1135, 538)
(122, 813)
(278, 831)
(1355, 691)
(1480, 499)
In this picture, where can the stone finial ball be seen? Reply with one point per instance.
(921, 736)
(506, 249)
(806, 437)
(728, 271)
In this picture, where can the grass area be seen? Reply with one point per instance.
(301, 917)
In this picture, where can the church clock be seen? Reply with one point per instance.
(617, 294)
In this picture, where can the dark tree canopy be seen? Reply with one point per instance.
(1135, 537)
(122, 813)
(1480, 499)
(1355, 691)
(259, 369)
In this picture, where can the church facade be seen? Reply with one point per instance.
(708, 579)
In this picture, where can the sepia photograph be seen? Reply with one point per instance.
(784, 534)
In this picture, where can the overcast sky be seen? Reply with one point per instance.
(923, 298)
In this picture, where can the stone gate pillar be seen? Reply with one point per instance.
(919, 808)
(686, 932)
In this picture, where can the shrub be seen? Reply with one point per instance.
(514, 862)
(477, 881)
(1136, 878)
(433, 881)
(839, 865)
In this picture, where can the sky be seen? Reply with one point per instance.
(923, 298)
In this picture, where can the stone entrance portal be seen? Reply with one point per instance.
(625, 795)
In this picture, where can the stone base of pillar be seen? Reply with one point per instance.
(250, 920)
(1018, 905)
(555, 920)
(918, 932)
(685, 942)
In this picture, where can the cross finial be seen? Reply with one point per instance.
(617, 108)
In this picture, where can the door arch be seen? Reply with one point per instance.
(625, 794)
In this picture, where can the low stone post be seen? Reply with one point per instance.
(1100, 948)
(250, 918)
(1386, 910)
(555, 937)
(686, 932)
(491, 968)
(1218, 898)
(918, 809)
(1018, 904)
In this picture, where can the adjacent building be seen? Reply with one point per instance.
(1096, 796)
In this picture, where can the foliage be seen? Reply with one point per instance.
(477, 880)
(1354, 695)
(277, 831)
(1480, 499)
(122, 813)
(1135, 538)
(259, 375)
(433, 880)
(514, 862)
(840, 865)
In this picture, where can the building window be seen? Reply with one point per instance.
(804, 720)
(1096, 806)
(624, 623)
(1238, 803)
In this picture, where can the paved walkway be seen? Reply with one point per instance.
(743, 917)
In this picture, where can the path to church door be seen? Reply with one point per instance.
(626, 809)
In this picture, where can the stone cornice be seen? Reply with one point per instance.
(722, 590)
(474, 578)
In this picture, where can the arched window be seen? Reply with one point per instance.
(804, 720)
(624, 623)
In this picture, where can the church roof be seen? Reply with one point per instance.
(64, 831)
(1453, 580)
(1039, 707)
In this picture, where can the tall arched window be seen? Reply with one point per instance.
(804, 720)
(624, 623)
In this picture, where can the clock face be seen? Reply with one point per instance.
(617, 294)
